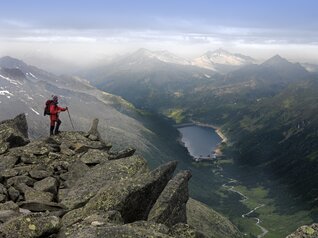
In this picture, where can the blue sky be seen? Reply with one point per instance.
(143, 14)
(95, 28)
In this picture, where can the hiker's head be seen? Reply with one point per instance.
(55, 99)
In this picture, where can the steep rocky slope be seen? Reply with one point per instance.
(305, 232)
(25, 88)
(74, 185)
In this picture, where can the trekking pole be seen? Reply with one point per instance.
(69, 115)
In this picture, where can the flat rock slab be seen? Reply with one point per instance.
(14, 181)
(30, 226)
(114, 231)
(132, 197)
(36, 206)
(133, 230)
(91, 182)
(93, 156)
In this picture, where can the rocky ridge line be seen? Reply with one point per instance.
(74, 185)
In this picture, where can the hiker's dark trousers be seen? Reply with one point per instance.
(55, 124)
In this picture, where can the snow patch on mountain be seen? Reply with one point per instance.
(163, 56)
(5, 92)
(213, 59)
(15, 82)
(36, 112)
(32, 75)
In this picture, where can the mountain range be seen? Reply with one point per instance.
(25, 88)
(267, 110)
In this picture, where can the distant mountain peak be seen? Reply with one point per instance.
(278, 57)
(214, 59)
(163, 56)
(275, 60)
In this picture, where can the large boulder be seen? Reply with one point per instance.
(6, 215)
(48, 184)
(115, 231)
(7, 161)
(30, 226)
(170, 207)
(14, 132)
(8, 210)
(305, 232)
(91, 182)
(134, 202)
(30, 194)
(15, 181)
(76, 170)
(132, 230)
(132, 197)
(94, 156)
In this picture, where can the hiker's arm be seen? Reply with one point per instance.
(62, 109)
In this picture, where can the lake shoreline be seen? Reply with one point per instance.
(217, 150)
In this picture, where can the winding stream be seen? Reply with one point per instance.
(244, 198)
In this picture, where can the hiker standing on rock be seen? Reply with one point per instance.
(54, 116)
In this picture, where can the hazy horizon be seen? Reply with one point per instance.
(81, 33)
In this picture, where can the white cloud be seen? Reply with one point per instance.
(183, 37)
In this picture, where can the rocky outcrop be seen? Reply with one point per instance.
(305, 232)
(73, 185)
(132, 197)
(209, 222)
(170, 207)
(13, 132)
